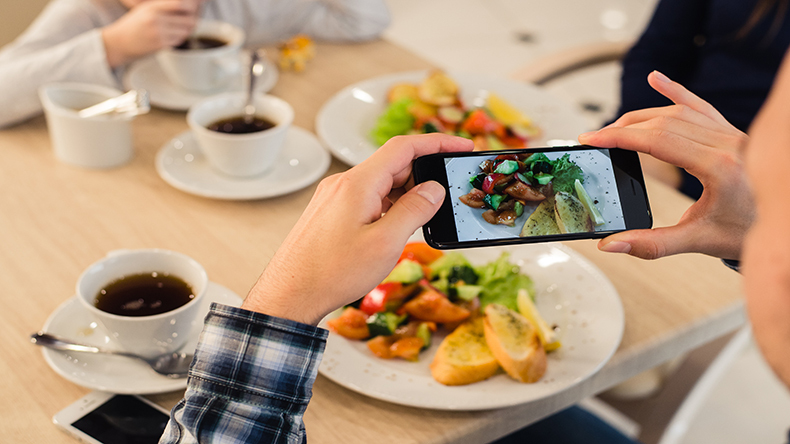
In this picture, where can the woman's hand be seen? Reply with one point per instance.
(692, 135)
(342, 246)
(148, 27)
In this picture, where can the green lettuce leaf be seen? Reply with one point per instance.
(565, 173)
(395, 121)
(501, 280)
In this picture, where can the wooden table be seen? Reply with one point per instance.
(55, 220)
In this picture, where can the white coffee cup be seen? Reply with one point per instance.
(240, 155)
(152, 335)
(205, 69)
(103, 141)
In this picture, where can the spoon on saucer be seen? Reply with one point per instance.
(257, 68)
(172, 365)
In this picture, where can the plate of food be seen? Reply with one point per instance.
(495, 112)
(476, 329)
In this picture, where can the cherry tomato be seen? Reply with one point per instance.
(387, 296)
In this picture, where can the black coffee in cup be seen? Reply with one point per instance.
(239, 125)
(144, 294)
(201, 43)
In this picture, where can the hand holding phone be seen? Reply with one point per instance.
(106, 418)
(534, 195)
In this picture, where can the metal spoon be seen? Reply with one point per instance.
(172, 365)
(257, 68)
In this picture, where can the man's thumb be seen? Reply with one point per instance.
(414, 209)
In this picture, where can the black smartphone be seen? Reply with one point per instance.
(104, 418)
(534, 195)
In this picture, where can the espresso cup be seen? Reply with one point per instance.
(205, 69)
(103, 141)
(152, 335)
(240, 155)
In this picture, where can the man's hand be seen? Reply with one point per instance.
(342, 246)
(692, 135)
(148, 27)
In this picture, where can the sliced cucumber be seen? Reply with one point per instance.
(384, 323)
(506, 167)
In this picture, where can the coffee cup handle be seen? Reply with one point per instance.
(227, 67)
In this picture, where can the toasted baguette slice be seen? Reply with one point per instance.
(463, 356)
(541, 222)
(515, 343)
(571, 215)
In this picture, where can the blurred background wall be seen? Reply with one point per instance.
(16, 15)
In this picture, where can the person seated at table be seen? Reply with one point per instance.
(254, 366)
(727, 52)
(743, 211)
(93, 41)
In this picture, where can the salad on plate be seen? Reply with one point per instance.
(434, 105)
(487, 313)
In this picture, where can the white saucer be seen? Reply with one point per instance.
(147, 74)
(303, 161)
(112, 373)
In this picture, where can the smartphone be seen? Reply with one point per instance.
(534, 195)
(107, 418)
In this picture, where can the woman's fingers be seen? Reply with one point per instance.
(650, 244)
(663, 145)
(678, 94)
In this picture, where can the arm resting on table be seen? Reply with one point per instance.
(251, 380)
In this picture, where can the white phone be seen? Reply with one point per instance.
(104, 418)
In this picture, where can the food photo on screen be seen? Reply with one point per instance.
(533, 194)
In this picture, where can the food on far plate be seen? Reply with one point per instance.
(515, 343)
(296, 52)
(428, 292)
(464, 357)
(531, 185)
(438, 89)
(434, 105)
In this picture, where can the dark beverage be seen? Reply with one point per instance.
(144, 294)
(238, 125)
(201, 43)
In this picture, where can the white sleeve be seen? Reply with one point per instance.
(63, 44)
(269, 21)
(342, 20)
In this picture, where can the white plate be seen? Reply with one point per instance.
(113, 373)
(599, 183)
(571, 293)
(147, 74)
(345, 121)
(303, 161)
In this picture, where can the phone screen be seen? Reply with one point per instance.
(534, 196)
(598, 181)
(123, 419)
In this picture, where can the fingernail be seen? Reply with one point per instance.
(431, 191)
(661, 77)
(587, 134)
(616, 247)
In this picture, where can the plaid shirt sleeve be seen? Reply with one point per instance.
(250, 381)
